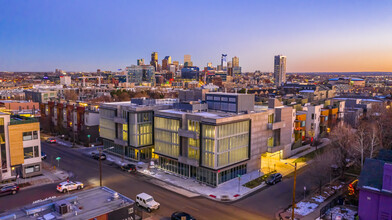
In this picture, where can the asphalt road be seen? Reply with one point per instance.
(260, 205)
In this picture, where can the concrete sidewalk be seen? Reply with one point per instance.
(49, 175)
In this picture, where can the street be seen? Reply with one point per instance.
(260, 205)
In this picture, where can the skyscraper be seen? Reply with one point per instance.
(154, 60)
(166, 62)
(280, 70)
(187, 60)
(140, 62)
(236, 61)
(223, 61)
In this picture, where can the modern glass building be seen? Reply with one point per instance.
(190, 72)
(126, 128)
(141, 73)
(216, 140)
(201, 149)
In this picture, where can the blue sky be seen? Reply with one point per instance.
(72, 35)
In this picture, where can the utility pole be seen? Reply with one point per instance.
(295, 181)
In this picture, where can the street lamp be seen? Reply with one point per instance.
(295, 180)
(100, 164)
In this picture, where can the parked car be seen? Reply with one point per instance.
(274, 178)
(51, 140)
(69, 186)
(96, 156)
(43, 156)
(9, 189)
(129, 168)
(181, 216)
(146, 201)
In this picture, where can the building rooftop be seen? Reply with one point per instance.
(372, 174)
(86, 204)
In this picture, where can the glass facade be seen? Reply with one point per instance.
(3, 153)
(209, 177)
(232, 173)
(225, 144)
(142, 73)
(127, 151)
(107, 128)
(193, 144)
(167, 141)
(141, 129)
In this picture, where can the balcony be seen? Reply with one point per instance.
(120, 120)
(188, 134)
(276, 125)
(120, 142)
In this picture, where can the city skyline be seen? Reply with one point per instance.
(104, 35)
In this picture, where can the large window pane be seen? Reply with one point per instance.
(28, 152)
(27, 136)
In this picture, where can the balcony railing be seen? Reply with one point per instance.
(23, 121)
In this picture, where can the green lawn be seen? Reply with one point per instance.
(253, 183)
(309, 156)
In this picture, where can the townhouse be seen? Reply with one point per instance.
(20, 147)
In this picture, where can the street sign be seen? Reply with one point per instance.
(58, 158)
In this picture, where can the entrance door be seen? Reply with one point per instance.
(193, 172)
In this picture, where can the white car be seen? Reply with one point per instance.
(146, 201)
(69, 185)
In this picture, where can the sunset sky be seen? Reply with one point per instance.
(316, 36)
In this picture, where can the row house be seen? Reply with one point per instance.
(20, 147)
(79, 121)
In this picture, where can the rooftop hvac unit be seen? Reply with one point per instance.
(63, 207)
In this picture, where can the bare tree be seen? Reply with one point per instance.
(70, 95)
(321, 167)
(343, 138)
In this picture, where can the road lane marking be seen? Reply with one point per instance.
(197, 210)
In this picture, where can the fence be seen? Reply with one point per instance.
(336, 201)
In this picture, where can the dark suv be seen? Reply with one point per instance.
(96, 156)
(129, 168)
(9, 189)
(274, 178)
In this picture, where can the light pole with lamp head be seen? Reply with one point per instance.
(295, 181)
(100, 149)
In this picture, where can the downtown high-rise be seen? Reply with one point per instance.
(280, 70)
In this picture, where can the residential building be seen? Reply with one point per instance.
(375, 187)
(280, 70)
(20, 147)
(141, 74)
(219, 139)
(126, 128)
(90, 204)
(20, 107)
(79, 121)
(190, 72)
(65, 80)
(41, 96)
